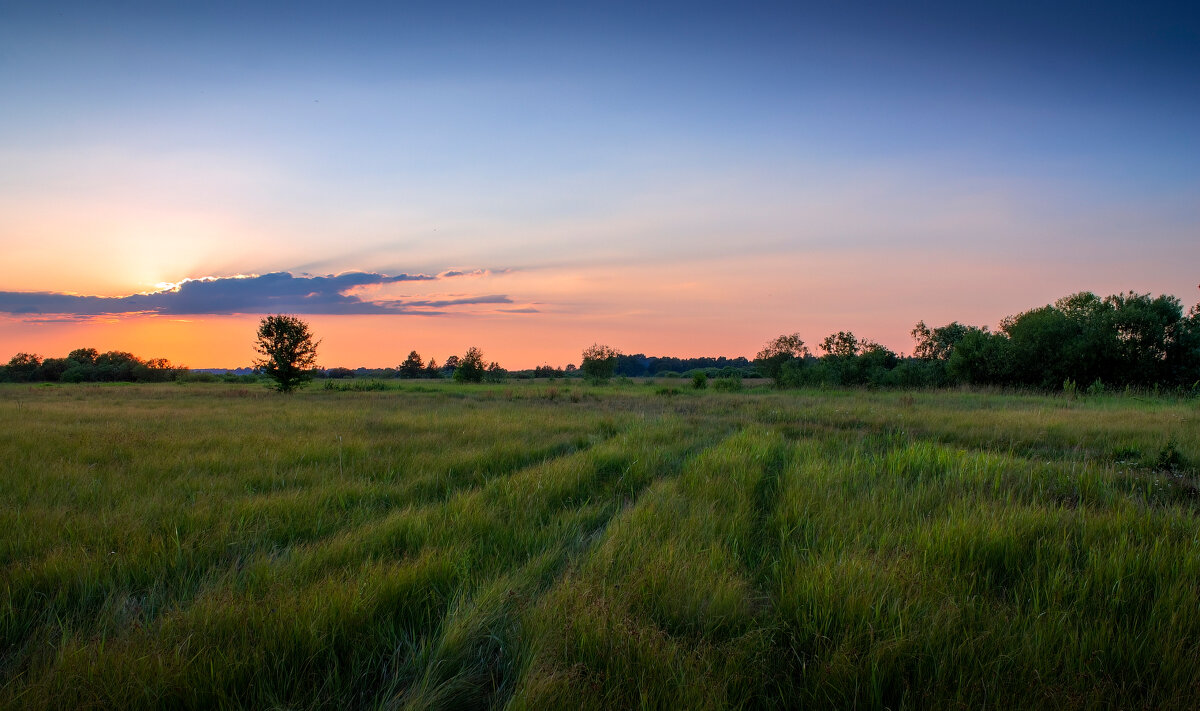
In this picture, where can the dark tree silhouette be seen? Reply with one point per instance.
(599, 362)
(470, 367)
(289, 350)
(782, 349)
(412, 367)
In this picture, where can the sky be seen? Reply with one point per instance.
(678, 179)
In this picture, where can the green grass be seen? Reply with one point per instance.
(542, 546)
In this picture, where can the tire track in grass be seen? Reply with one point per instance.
(128, 592)
(763, 548)
(405, 531)
(476, 658)
(659, 612)
(465, 542)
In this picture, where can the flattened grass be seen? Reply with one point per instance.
(542, 546)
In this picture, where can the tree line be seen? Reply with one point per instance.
(640, 365)
(87, 365)
(1081, 341)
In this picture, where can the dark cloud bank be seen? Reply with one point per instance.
(278, 292)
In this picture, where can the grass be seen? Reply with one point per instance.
(537, 546)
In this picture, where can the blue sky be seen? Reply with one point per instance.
(683, 177)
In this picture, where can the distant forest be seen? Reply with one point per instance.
(1080, 343)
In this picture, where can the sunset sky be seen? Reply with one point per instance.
(673, 179)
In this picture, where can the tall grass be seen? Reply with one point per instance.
(534, 546)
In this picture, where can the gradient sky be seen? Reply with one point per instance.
(674, 179)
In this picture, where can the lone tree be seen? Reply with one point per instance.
(599, 362)
(289, 350)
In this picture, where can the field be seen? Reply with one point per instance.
(538, 545)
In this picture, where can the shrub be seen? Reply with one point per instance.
(599, 363)
(1169, 458)
(728, 383)
(356, 385)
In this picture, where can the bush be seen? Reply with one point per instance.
(78, 374)
(796, 373)
(699, 380)
(1169, 458)
(599, 363)
(356, 385)
(728, 383)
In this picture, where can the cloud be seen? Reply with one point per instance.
(278, 292)
(69, 318)
(490, 299)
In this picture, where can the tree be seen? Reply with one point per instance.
(874, 362)
(412, 367)
(84, 356)
(52, 369)
(470, 367)
(980, 358)
(1042, 347)
(780, 350)
(842, 344)
(432, 369)
(937, 343)
(495, 373)
(155, 370)
(289, 350)
(1148, 332)
(23, 367)
(599, 362)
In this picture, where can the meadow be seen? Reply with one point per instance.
(549, 545)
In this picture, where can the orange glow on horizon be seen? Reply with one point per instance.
(728, 307)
